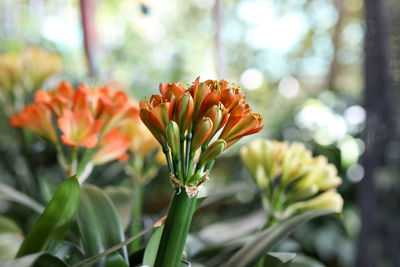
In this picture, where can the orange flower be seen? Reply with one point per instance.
(112, 146)
(79, 128)
(183, 113)
(155, 114)
(99, 119)
(204, 98)
(37, 118)
(218, 115)
(241, 122)
(200, 111)
(57, 101)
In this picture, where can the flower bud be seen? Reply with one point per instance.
(251, 156)
(184, 112)
(218, 115)
(212, 152)
(302, 194)
(329, 200)
(296, 163)
(173, 138)
(203, 130)
(194, 178)
(321, 174)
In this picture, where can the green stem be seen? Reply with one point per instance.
(188, 152)
(136, 222)
(73, 161)
(176, 228)
(178, 168)
(170, 165)
(84, 160)
(61, 158)
(191, 165)
(182, 153)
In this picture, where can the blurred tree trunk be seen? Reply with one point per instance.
(219, 50)
(378, 243)
(88, 12)
(335, 66)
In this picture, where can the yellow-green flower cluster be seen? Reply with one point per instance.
(290, 178)
(28, 69)
(23, 73)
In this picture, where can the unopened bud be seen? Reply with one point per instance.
(329, 200)
(184, 111)
(212, 151)
(173, 138)
(203, 130)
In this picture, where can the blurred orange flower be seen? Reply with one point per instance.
(79, 128)
(112, 146)
(37, 118)
(87, 117)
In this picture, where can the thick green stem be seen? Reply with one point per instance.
(136, 222)
(176, 228)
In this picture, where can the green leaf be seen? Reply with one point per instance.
(98, 223)
(55, 220)
(267, 239)
(8, 226)
(278, 259)
(122, 200)
(115, 260)
(304, 261)
(199, 201)
(150, 252)
(35, 260)
(96, 258)
(13, 195)
(66, 251)
(9, 245)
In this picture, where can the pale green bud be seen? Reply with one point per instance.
(329, 200)
(173, 138)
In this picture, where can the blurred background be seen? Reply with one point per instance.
(322, 72)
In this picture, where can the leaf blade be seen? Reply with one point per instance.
(150, 252)
(98, 223)
(55, 219)
(266, 240)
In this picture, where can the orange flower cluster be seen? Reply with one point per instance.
(213, 103)
(196, 114)
(89, 118)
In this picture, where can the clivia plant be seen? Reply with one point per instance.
(191, 125)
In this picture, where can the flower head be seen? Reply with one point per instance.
(290, 178)
(87, 118)
(27, 69)
(199, 111)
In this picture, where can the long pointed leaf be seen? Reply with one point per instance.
(98, 223)
(96, 258)
(55, 220)
(150, 252)
(36, 260)
(266, 240)
(20, 198)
